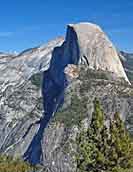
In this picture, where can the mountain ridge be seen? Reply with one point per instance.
(28, 106)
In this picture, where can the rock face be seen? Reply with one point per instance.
(20, 96)
(26, 107)
(75, 48)
(15, 73)
(94, 48)
(127, 61)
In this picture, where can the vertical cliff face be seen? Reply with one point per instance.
(96, 50)
(127, 61)
(20, 97)
(85, 43)
(53, 88)
(26, 130)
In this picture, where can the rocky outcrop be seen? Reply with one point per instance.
(94, 48)
(59, 137)
(127, 61)
(75, 67)
(73, 51)
(21, 98)
(15, 74)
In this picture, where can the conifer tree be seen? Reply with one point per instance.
(103, 150)
(120, 152)
(92, 145)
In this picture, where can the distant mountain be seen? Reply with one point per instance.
(43, 91)
(127, 55)
(5, 57)
(127, 61)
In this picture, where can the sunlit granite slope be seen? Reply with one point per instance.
(34, 86)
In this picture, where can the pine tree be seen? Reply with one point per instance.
(120, 152)
(103, 150)
(92, 145)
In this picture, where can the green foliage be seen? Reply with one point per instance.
(74, 113)
(100, 149)
(120, 143)
(36, 80)
(95, 74)
(129, 123)
(8, 164)
(97, 122)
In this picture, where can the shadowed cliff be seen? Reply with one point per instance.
(54, 84)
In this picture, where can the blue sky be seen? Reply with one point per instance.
(29, 23)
